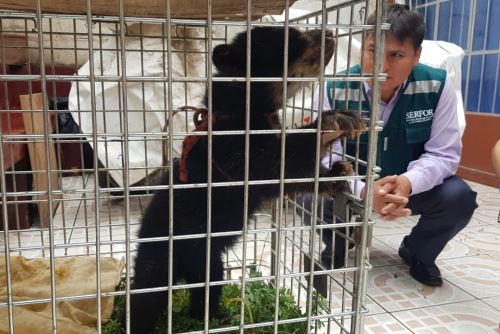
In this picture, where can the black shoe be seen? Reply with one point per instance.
(426, 274)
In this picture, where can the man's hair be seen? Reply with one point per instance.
(405, 24)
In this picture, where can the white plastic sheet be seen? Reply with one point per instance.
(447, 56)
(146, 101)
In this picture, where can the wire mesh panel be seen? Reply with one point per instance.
(153, 167)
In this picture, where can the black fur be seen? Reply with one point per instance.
(190, 205)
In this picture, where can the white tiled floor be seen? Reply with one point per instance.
(467, 303)
(469, 300)
(473, 316)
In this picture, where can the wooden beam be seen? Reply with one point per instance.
(479, 137)
(13, 49)
(34, 124)
(188, 9)
(479, 176)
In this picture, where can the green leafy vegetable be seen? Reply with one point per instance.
(258, 303)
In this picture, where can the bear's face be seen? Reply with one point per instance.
(267, 56)
(268, 53)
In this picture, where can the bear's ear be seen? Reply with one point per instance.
(225, 57)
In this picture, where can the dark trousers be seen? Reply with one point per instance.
(445, 210)
(334, 246)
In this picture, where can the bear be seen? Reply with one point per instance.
(227, 164)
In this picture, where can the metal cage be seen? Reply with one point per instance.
(91, 116)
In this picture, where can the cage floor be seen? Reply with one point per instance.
(468, 302)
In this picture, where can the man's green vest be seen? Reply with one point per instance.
(409, 126)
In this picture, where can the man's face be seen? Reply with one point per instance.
(399, 60)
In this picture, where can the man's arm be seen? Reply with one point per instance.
(441, 157)
(328, 160)
(336, 149)
(442, 150)
(326, 104)
(385, 201)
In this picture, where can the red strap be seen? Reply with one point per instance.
(187, 145)
(191, 140)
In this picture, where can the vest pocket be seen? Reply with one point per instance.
(417, 135)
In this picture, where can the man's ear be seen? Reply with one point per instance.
(224, 56)
(418, 52)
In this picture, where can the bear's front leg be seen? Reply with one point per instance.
(339, 168)
(300, 155)
(338, 125)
